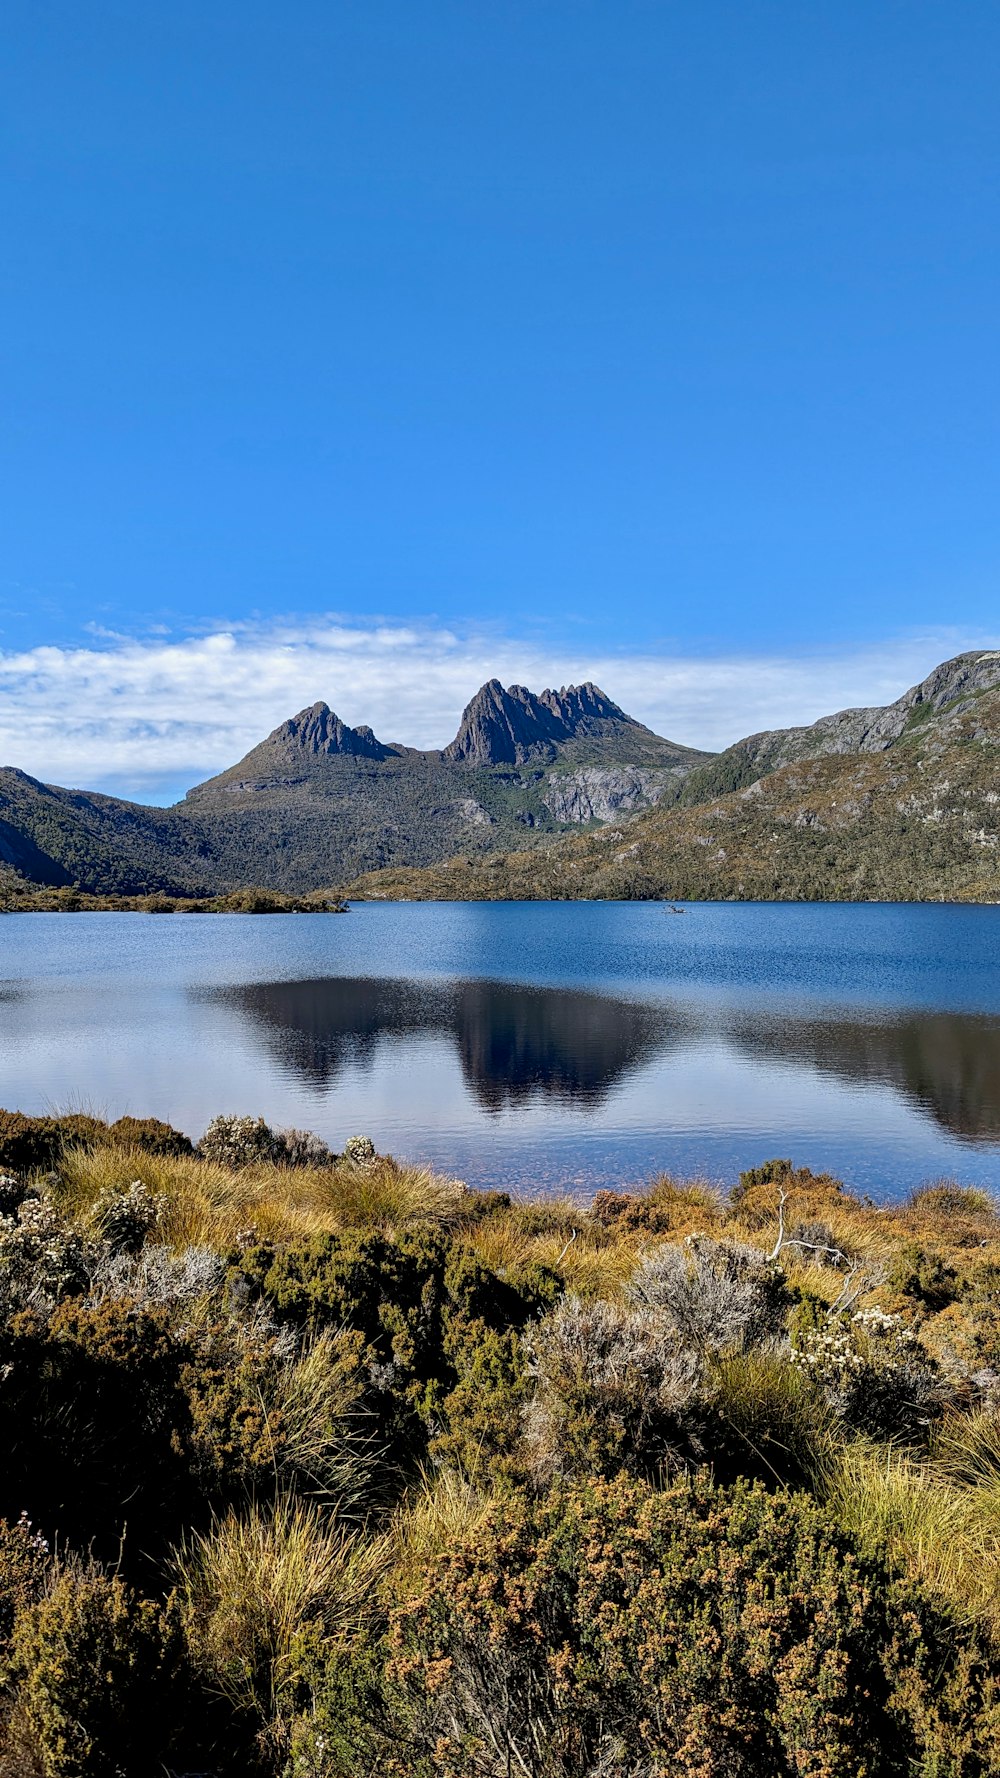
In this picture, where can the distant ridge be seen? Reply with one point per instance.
(318, 801)
(562, 793)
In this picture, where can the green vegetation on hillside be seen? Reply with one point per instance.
(916, 822)
(896, 803)
(18, 896)
(319, 1466)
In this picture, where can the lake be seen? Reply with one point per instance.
(541, 1046)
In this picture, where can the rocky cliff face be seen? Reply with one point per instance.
(318, 730)
(596, 794)
(873, 730)
(512, 726)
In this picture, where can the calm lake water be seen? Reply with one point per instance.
(543, 1046)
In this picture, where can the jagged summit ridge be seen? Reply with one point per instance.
(508, 727)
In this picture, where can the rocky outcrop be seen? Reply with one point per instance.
(951, 686)
(596, 794)
(512, 726)
(318, 730)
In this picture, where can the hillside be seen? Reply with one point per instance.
(910, 814)
(318, 801)
(561, 795)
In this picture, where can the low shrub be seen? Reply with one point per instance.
(613, 1389)
(301, 1148)
(238, 1142)
(415, 1301)
(871, 1370)
(360, 1151)
(24, 1569)
(925, 1276)
(123, 1220)
(268, 1417)
(96, 1426)
(35, 1144)
(716, 1294)
(101, 1675)
(42, 1256)
(151, 1135)
(698, 1631)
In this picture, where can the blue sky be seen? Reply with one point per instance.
(556, 334)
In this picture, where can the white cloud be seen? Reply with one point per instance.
(137, 715)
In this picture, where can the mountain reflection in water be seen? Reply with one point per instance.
(947, 1063)
(515, 1043)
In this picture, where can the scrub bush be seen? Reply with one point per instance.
(151, 1135)
(35, 1144)
(871, 1370)
(417, 1302)
(301, 1148)
(698, 1631)
(24, 1567)
(927, 1277)
(122, 1220)
(614, 1389)
(237, 1142)
(96, 1425)
(42, 1257)
(101, 1676)
(718, 1295)
(360, 1151)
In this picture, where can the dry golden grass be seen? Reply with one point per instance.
(210, 1205)
(558, 1234)
(443, 1514)
(252, 1584)
(945, 1535)
(691, 1205)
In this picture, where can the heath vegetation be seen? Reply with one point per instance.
(318, 1466)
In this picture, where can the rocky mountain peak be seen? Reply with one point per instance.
(318, 730)
(507, 727)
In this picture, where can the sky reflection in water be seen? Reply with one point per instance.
(540, 1047)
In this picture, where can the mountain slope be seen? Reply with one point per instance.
(912, 813)
(57, 836)
(319, 801)
(871, 730)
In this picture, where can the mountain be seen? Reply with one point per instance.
(317, 801)
(896, 803)
(514, 726)
(562, 794)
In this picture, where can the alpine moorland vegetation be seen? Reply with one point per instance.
(915, 822)
(19, 896)
(316, 1465)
